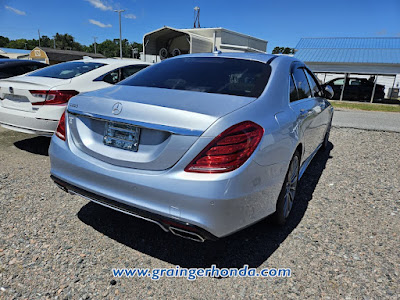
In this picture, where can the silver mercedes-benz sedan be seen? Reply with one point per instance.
(202, 145)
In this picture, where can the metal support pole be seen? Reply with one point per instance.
(39, 36)
(214, 41)
(120, 31)
(344, 86)
(144, 49)
(391, 92)
(373, 90)
(325, 78)
(95, 50)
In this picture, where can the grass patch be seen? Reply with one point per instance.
(366, 106)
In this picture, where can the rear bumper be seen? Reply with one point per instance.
(214, 205)
(166, 224)
(27, 122)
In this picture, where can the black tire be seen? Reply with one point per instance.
(285, 201)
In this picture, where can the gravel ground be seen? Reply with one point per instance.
(342, 240)
(370, 120)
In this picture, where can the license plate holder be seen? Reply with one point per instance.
(122, 136)
(15, 98)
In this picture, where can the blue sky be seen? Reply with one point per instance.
(281, 23)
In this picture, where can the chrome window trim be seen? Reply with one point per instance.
(173, 130)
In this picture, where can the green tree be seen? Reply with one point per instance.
(17, 44)
(67, 42)
(4, 41)
(108, 48)
(45, 41)
(30, 44)
(283, 50)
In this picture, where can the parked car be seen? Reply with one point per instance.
(34, 103)
(15, 67)
(202, 145)
(359, 89)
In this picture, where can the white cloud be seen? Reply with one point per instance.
(98, 23)
(18, 12)
(99, 4)
(382, 32)
(130, 16)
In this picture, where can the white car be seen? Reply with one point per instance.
(34, 102)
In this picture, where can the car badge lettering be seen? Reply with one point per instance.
(117, 108)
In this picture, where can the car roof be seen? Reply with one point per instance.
(18, 61)
(263, 57)
(113, 61)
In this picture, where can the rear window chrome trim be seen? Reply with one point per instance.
(170, 129)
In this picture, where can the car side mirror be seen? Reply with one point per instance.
(328, 92)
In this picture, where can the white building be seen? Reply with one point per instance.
(167, 41)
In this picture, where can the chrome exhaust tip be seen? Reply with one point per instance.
(186, 234)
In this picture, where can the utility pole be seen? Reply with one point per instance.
(95, 50)
(196, 23)
(119, 11)
(54, 41)
(39, 36)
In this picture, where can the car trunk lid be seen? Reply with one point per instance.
(170, 121)
(15, 92)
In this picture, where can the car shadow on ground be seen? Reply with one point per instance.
(251, 246)
(36, 145)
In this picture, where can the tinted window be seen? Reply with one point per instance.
(33, 67)
(313, 84)
(218, 75)
(293, 91)
(112, 77)
(67, 70)
(15, 70)
(338, 82)
(4, 75)
(301, 83)
(354, 81)
(130, 70)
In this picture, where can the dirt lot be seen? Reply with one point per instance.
(342, 240)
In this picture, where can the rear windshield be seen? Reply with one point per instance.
(217, 75)
(67, 70)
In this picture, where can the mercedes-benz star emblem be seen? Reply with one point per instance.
(117, 108)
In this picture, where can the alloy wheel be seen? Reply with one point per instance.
(291, 185)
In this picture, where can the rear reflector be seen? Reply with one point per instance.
(53, 97)
(229, 150)
(61, 130)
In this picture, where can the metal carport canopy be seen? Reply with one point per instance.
(380, 56)
(355, 68)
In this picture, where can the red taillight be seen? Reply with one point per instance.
(53, 97)
(229, 150)
(60, 132)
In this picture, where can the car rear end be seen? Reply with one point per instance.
(165, 154)
(33, 107)
(34, 103)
